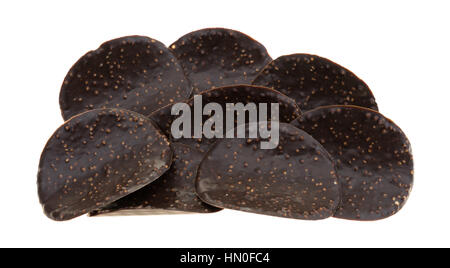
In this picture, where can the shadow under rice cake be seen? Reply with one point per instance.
(173, 191)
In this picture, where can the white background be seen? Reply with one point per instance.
(400, 48)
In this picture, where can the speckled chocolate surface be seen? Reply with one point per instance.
(314, 81)
(295, 180)
(216, 57)
(98, 157)
(135, 73)
(288, 110)
(146, 134)
(373, 159)
(175, 190)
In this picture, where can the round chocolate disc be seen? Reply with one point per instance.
(135, 73)
(314, 81)
(98, 157)
(245, 94)
(217, 57)
(297, 179)
(173, 191)
(373, 159)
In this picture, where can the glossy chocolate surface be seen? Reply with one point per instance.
(373, 159)
(314, 81)
(135, 73)
(217, 57)
(98, 157)
(295, 180)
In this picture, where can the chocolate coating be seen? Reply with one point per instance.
(373, 159)
(295, 180)
(288, 110)
(175, 190)
(136, 73)
(313, 81)
(98, 157)
(217, 57)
